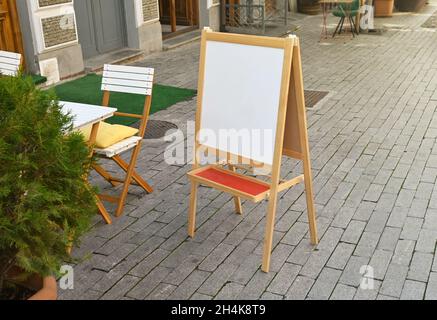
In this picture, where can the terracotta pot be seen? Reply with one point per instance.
(308, 7)
(409, 5)
(384, 8)
(46, 288)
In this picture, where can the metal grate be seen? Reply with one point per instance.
(431, 22)
(156, 129)
(313, 97)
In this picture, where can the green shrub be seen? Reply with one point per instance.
(44, 198)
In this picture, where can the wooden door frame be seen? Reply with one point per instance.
(193, 9)
(16, 29)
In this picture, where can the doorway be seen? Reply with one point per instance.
(178, 16)
(101, 25)
(10, 33)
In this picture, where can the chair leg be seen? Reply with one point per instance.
(105, 175)
(127, 183)
(141, 182)
(341, 26)
(352, 26)
(193, 209)
(336, 29)
(103, 212)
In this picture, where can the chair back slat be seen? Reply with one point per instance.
(123, 89)
(9, 63)
(127, 79)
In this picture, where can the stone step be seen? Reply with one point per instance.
(122, 56)
(181, 40)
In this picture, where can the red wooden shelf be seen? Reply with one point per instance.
(231, 182)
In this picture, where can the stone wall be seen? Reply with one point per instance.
(58, 30)
(47, 3)
(150, 10)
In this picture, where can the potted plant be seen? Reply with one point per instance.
(409, 5)
(383, 8)
(311, 7)
(45, 202)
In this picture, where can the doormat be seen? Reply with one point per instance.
(313, 97)
(431, 23)
(156, 129)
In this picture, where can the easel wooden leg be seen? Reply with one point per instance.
(237, 200)
(268, 239)
(193, 209)
(310, 204)
(304, 142)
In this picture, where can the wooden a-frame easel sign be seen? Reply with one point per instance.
(251, 84)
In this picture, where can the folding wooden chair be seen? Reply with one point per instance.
(134, 80)
(10, 63)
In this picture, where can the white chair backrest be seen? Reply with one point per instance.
(126, 79)
(9, 63)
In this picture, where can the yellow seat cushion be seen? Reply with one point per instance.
(109, 134)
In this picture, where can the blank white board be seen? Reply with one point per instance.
(241, 94)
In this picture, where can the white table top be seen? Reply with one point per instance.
(86, 114)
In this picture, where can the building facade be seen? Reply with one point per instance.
(57, 36)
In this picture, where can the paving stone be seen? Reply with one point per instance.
(352, 272)
(230, 291)
(200, 297)
(256, 286)
(325, 284)
(183, 270)
(367, 244)
(295, 234)
(389, 239)
(341, 255)
(411, 229)
(283, 280)
(353, 232)
(343, 292)
(149, 283)
(380, 262)
(217, 279)
(123, 286)
(427, 241)
(185, 290)
(162, 292)
(373, 193)
(397, 217)
(394, 280)
(377, 221)
(271, 296)
(413, 290)
(300, 288)
(431, 289)
(364, 211)
(368, 293)
(216, 257)
(420, 267)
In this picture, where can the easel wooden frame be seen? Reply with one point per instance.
(291, 140)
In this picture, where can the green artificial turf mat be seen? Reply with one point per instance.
(87, 90)
(38, 79)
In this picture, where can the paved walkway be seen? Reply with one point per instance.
(374, 152)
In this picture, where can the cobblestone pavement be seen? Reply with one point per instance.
(374, 154)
